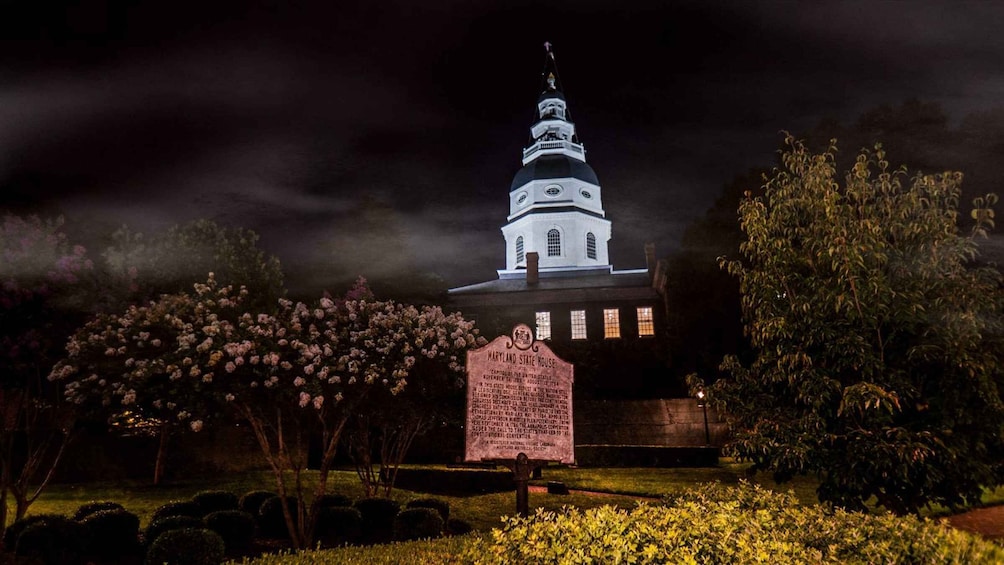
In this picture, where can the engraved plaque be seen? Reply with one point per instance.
(519, 400)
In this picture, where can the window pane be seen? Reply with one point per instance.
(553, 243)
(578, 324)
(590, 245)
(611, 323)
(520, 256)
(646, 326)
(543, 325)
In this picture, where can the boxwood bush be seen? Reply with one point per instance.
(111, 534)
(271, 520)
(715, 524)
(338, 526)
(234, 526)
(53, 541)
(190, 546)
(418, 523)
(14, 530)
(86, 510)
(167, 524)
(378, 518)
(251, 501)
(178, 508)
(331, 500)
(214, 500)
(436, 504)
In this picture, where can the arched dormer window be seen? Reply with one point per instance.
(590, 245)
(553, 243)
(520, 256)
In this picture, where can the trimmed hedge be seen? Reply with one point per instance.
(418, 523)
(234, 526)
(332, 500)
(251, 501)
(215, 500)
(162, 525)
(436, 504)
(716, 524)
(14, 530)
(111, 534)
(186, 547)
(178, 508)
(272, 521)
(52, 541)
(86, 510)
(378, 518)
(338, 526)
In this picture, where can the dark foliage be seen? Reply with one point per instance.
(188, 546)
(378, 518)
(14, 530)
(418, 523)
(236, 527)
(458, 527)
(184, 508)
(215, 500)
(111, 534)
(338, 525)
(271, 521)
(167, 524)
(52, 542)
(331, 500)
(251, 501)
(436, 504)
(86, 510)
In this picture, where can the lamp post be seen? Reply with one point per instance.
(704, 407)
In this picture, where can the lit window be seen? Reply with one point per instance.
(611, 323)
(543, 325)
(590, 245)
(553, 243)
(519, 250)
(578, 324)
(646, 326)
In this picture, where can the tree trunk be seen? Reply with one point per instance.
(158, 467)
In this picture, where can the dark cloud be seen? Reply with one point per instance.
(382, 137)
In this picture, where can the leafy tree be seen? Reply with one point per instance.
(45, 290)
(172, 261)
(144, 267)
(878, 344)
(293, 374)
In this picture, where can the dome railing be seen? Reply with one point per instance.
(551, 146)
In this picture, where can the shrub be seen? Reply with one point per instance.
(14, 530)
(271, 521)
(86, 510)
(214, 500)
(727, 525)
(234, 526)
(378, 518)
(331, 500)
(111, 533)
(189, 546)
(167, 524)
(251, 501)
(458, 527)
(185, 508)
(418, 523)
(338, 525)
(436, 504)
(53, 541)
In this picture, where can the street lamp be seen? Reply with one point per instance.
(704, 406)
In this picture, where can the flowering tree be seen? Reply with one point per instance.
(300, 372)
(44, 287)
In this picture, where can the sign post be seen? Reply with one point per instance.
(519, 407)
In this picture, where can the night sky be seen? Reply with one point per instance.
(380, 138)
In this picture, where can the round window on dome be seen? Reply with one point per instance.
(552, 190)
(586, 194)
(521, 199)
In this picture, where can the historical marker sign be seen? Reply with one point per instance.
(519, 400)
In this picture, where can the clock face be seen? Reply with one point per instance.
(521, 199)
(552, 190)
